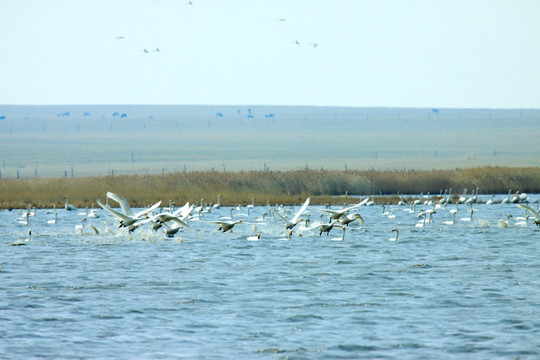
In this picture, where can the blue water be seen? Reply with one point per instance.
(462, 291)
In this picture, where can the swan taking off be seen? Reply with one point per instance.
(289, 224)
(226, 225)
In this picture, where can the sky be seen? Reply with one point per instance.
(357, 53)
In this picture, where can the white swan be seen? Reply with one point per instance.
(23, 219)
(55, 220)
(80, 228)
(451, 222)
(254, 237)
(289, 234)
(127, 218)
(504, 223)
(218, 205)
(421, 223)
(463, 197)
(396, 238)
(289, 224)
(24, 241)
(532, 211)
(342, 236)
(179, 216)
(325, 227)
(226, 225)
(169, 230)
(93, 214)
(228, 217)
(506, 200)
(347, 219)
(68, 206)
(523, 223)
(336, 214)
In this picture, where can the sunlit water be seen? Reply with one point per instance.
(461, 291)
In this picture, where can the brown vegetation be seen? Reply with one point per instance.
(285, 187)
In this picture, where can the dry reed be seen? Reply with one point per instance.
(284, 187)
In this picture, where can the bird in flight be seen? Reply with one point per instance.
(120, 38)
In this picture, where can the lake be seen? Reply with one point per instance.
(466, 290)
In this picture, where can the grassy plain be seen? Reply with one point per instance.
(284, 187)
(277, 154)
(35, 142)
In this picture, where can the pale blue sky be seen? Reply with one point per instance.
(370, 53)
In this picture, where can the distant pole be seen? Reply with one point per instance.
(224, 170)
(17, 173)
(265, 167)
(0, 174)
(65, 174)
(4, 164)
(162, 171)
(35, 173)
(376, 154)
(185, 169)
(494, 153)
(72, 172)
(345, 167)
(436, 154)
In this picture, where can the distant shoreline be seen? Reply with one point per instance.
(284, 187)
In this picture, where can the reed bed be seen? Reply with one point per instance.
(283, 187)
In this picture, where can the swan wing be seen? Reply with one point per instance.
(124, 205)
(146, 211)
(334, 212)
(361, 203)
(180, 222)
(115, 213)
(301, 211)
(530, 209)
(182, 212)
(288, 222)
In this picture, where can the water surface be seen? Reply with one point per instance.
(461, 291)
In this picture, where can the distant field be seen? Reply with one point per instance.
(55, 141)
